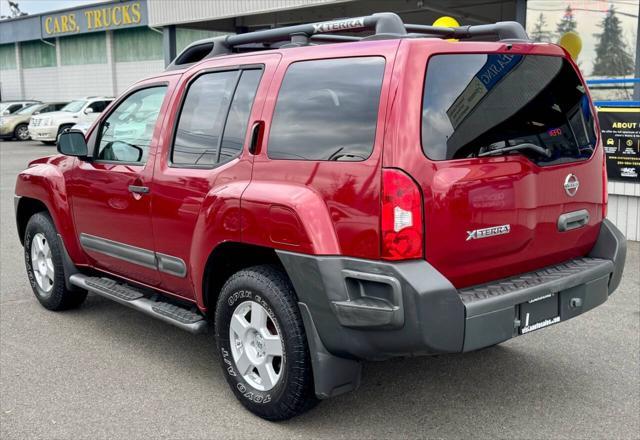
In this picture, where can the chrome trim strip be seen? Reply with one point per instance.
(135, 255)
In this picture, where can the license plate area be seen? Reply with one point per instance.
(538, 313)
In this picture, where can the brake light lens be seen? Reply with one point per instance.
(401, 218)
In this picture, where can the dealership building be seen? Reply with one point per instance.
(102, 48)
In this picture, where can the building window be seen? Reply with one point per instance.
(185, 37)
(38, 54)
(7, 56)
(83, 49)
(137, 44)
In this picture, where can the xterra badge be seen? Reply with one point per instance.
(488, 232)
(338, 25)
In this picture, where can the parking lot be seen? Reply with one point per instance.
(105, 371)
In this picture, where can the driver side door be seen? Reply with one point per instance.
(110, 193)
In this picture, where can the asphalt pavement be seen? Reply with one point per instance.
(106, 371)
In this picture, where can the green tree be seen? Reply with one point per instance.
(567, 23)
(539, 34)
(612, 56)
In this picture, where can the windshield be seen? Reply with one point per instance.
(73, 106)
(488, 104)
(27, 110)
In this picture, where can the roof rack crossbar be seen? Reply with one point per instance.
(381, 23)
(504, 30)
(335, 38)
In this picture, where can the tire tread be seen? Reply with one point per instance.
(299, 396)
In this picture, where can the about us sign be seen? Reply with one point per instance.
(100, 17)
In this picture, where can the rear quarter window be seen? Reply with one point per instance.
(327, 110)
(478, 105)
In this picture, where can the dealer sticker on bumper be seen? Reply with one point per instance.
(539, 312)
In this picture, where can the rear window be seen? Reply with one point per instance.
(327, 110)
(477, 105)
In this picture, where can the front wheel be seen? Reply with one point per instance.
(43, 258)
(262, 344)
(21, 132)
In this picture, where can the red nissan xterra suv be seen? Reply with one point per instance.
(324, 198)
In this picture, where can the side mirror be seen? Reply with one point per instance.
(88, 110)
(72, 143)
(121, 152)
(6, 112)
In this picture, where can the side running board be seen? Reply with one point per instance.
(131, 297)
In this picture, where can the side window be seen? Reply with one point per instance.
(48, 108)
(127, 132)
(236, 127)
(57, 107)
(98, 106)
(212, 124)
(327, 110)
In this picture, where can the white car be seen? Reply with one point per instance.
(10, 107)
(46, 128)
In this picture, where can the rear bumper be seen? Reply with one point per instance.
(362, 309)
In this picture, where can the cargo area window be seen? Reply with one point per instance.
(479, 105)
(213, 122)
(327, 110)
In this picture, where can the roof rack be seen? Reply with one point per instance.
(386, 25)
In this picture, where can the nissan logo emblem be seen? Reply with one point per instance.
(571, 184)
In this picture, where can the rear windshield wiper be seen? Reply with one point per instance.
(523, 146)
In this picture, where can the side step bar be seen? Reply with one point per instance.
(131, 297)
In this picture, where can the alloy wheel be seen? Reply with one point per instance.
(22, 133)
(256, 345)
(42, 262)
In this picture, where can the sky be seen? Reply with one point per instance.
(37, 6)
(588, 15)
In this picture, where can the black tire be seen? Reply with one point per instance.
(21, 132)
(293, 392)
(58, 297)
(49, 142)
(62, 128)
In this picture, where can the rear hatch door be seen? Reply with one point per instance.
(510, 177)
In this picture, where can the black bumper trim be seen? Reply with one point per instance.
(508, 292)
(436, 317)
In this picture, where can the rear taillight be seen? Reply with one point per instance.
(401, 220)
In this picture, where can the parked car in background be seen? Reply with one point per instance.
(10, 107)
(83, 126)
(46, 128)
(16, 125)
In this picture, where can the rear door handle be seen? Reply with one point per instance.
(256, 131)
(573, 220)
(138, 189)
